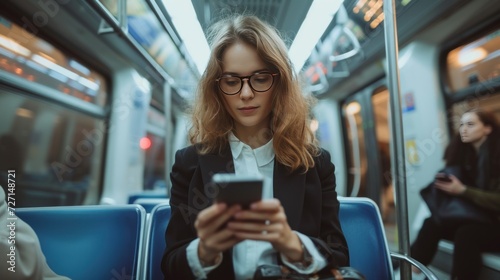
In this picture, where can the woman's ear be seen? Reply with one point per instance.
(487, 129)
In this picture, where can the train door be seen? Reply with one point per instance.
(366, 123)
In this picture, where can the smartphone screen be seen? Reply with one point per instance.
(238, 189)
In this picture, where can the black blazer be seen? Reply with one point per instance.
(309, 199)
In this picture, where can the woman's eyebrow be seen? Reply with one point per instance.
(237, 74)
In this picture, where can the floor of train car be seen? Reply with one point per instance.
(441, 264)
(391, 232)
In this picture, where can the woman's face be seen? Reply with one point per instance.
(472, 130)
(250, 109)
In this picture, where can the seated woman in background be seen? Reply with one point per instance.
(251, 117)
(475, 154)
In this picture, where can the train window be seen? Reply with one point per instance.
(370, 14)
(380, 102)
(357, 159)
(147, 30)
(55, 153)
(475, 62)
(27, 56)
(111, 6)
(154, 151)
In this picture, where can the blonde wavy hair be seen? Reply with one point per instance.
(294, 143)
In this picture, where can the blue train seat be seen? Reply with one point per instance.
(150, 203)
(364, 231)
(147, 194)
(155, 240)
(368, 249)
(90, 242)
(361, 223)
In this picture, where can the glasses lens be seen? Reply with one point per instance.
(230, 85)
(261, 82)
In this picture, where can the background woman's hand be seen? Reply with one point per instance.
(266, 221)
(214, 236)
(454, 187)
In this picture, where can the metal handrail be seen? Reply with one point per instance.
(427, 272)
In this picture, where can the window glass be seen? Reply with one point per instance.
(147, 30)
(370, 14)
(154, 167)
(25, 55)
(56, 153)
(154, 151)
(112, 6)
(380, 103)
(474, 63)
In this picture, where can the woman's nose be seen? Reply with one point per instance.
(246, 90)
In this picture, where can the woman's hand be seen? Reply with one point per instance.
(214, 236)
(454, 187)
(266, 221)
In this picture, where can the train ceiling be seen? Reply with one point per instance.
(285, 15)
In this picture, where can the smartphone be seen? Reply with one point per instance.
(238, 189)
(443, 177)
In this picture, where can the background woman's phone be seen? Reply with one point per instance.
(238, 189)
(443, 177)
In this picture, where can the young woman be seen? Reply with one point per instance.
(250, 117)
(475, 154)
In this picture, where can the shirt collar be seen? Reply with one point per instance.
(263, 154)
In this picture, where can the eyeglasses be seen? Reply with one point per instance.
(259, 82)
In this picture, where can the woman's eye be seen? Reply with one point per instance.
(261, 79)
(231, 81)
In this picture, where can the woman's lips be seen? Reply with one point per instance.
(247, 110)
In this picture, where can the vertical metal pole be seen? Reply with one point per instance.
(167, 106)
(398, 153)
(122, 15)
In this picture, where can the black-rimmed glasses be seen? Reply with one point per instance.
(259, 82)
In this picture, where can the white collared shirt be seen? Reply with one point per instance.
(249, 254)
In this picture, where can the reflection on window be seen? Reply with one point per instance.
(380, 103)
(154, 151)
(57, 153)
(372, 11)
(111, 6)
(24, 55)
(475, 62)
(154, 167)
(147, 30)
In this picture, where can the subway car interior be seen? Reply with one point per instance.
(94, 99)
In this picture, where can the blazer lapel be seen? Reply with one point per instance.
(211, 164)
(289, 188)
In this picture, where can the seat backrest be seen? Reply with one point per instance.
(155, 240)
(360, 220)
(90, 242)
(150, 203)
(147, 194)
(362, 226)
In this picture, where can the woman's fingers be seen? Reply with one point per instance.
(214, 237)
(266, 221)
(250, 227)
(206, 215)
(266, 205)
(220, 241)
(455, 187)
(212, 218)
